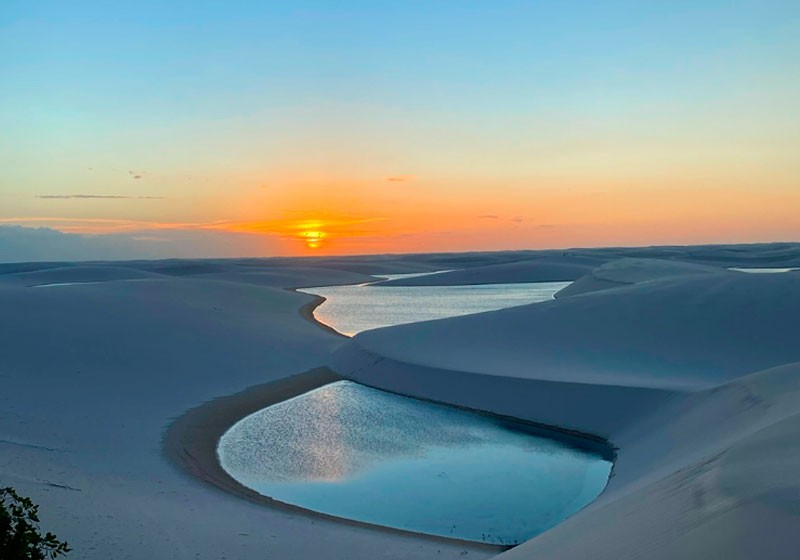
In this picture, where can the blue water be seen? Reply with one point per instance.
(765, 270)
(352, 309)
(363, 454)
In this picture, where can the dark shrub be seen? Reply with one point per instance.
(20, 538)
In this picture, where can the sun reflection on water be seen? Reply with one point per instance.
(326, 459)
(359, 453)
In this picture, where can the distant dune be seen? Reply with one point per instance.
(75, 274)
(547, 269)
(627, 271)
(295, 277)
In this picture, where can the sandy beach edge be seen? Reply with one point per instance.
(190, 443)
(573, 438)
(307, 312)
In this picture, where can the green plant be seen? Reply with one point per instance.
(20, 538)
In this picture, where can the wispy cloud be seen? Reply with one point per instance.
(96, 196)
(515, 219)
(400, 178)
(101, 226)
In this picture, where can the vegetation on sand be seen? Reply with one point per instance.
(20, 537)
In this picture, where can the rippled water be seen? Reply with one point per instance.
(352, 309)
(363, 454)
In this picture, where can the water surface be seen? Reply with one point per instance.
(765, 270)
(359, 453)
(352, 309)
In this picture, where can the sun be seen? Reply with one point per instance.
(313, 238)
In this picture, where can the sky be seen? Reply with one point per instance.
(257, 128)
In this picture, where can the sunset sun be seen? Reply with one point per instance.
(313, 238)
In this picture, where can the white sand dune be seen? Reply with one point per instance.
(750, 255)
(628, 271)
(93, 374)
(295, 277)
(546, 269)
(710, 475)
(75, 274)
(398, 263)
(683, 333)
(693, 374)
(677, 374)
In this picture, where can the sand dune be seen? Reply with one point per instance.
(295, 277)
(676, 373)
(548, 269)
(727, 256)
(75, 274)
(714, 475)
(692, 372)
(684, 333)
(628, 271)
(93, 374)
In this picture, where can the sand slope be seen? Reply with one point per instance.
(624, 272)
(545, 269)
(694, 378)
(692, 374)
(93, 374)
(713, 476)
(750, 255)
(681, 333)
(294, 277)
(75, 274)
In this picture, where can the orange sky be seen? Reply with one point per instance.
(412, 222)
(527, 125)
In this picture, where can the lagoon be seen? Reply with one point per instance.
(359, 453)
(355, 308)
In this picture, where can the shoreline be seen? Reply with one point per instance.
(190, 441)
(307, 312)
(190, 444)
(573, 438)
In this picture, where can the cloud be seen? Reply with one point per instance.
(96, 196)
(102, 226)
(400, 178)
(29, 244)
(515, 219)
